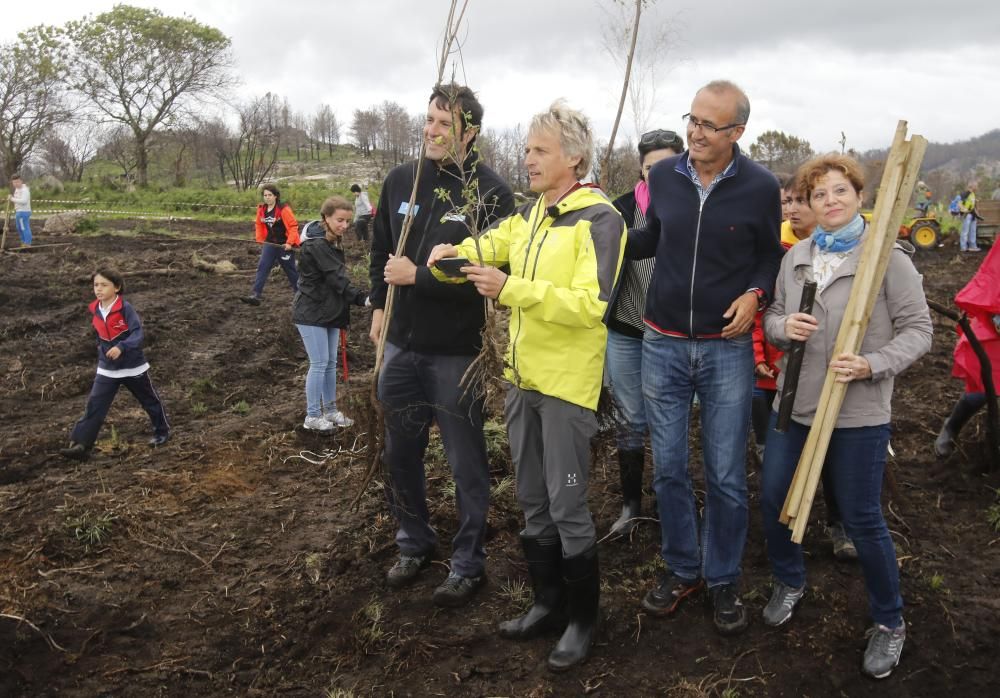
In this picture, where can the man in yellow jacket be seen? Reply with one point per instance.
(564, 252)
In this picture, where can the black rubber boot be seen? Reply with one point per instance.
(544, 556)
(965, 408)
(582, 577)
(630, 467)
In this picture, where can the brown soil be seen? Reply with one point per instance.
(229, 562)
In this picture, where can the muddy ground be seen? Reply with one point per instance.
(230, 563)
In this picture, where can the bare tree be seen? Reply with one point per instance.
(503, 151)
(325, 128)
(68, 149)
(249, 154)
(119, 146)
(365, 127)
(633, 37)
(31, 94)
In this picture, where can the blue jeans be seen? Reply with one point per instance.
(321, 381)
(22, 220)
(967, 239)
(855, 462)
(720, 372)
(623, 367)
(268, 256)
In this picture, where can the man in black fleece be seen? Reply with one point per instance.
(432, 338)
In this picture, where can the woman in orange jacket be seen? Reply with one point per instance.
(278, 232)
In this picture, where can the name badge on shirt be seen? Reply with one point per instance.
(405, 206)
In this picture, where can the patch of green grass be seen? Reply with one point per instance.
(241, 408)
(993, 516)
(90, 529)
(199, 409)
(936, 583)
(517, 592)
(203, 386)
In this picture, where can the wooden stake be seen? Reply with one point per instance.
(898, 181)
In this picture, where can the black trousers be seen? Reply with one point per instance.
(102, 394)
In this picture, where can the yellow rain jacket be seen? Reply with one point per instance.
(564, 262)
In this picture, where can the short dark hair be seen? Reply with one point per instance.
(16, 175)
(273, 189)
(356, 188)
(112, 275)
(451, 96)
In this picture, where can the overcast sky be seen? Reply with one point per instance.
(812, 70)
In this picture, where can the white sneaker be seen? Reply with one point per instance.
(338, 419)
(318, 424)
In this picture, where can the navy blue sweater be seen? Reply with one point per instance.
(707, 255)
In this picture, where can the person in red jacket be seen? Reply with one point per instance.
(278, 232)
(980, 300)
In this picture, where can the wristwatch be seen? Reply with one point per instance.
(761, 297)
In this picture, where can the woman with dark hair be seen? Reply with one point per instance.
(899, 332)
(322, 309)
(277, 231)
(625, 328)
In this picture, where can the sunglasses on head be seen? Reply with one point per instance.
(661, 138)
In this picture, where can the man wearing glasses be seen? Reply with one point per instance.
(713, 226)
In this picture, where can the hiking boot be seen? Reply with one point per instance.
(251, 299)
(884, 648)
(728, 612)
(318, 424)
(457, 590)
(75, 451)
(668, 594)
(158, 440)
(406, 569)
(843, 547)
(784, 599)
(338, 418)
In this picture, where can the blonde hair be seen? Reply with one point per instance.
(573, 129)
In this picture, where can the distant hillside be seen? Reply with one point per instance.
(950, 167)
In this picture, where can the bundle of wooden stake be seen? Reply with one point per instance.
(892, 202)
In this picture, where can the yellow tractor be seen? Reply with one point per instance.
(923, 231)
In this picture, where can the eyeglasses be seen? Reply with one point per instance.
(705, 126)
(661, 138)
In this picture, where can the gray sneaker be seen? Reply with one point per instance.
(406, 569)
(843, 547)
(784, 599)
(884, 648)
(457, 590)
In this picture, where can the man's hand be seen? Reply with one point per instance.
(376, 329)
(742, 312)
(489, 281)
(113, 353)
(288, 247)
(400, 271)
(440, 252)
